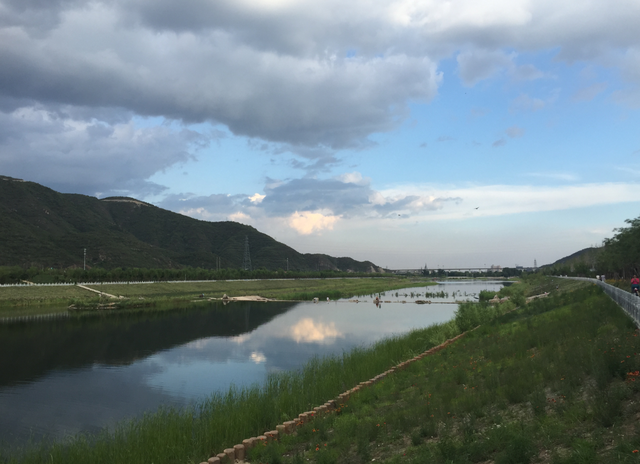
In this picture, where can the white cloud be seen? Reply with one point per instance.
(501, 200)
(240, 217)
(308, 222)
(406, 203)
(353, 178)
(256, 198)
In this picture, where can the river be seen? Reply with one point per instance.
(60, 377)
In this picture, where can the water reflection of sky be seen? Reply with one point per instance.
(309, 329)
(195, 369)
(66, 401)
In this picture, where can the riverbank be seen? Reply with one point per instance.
(226, 419)
(555, 381)
(284, 394)
(37, 300)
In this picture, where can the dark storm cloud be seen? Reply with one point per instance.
(94, 158)
(320, 100)
(37, 17)
(313, 76)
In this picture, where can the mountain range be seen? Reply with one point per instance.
(44, 228)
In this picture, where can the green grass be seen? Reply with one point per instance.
(176, 435)
(28, 300)
(546, 383)
(189, 435)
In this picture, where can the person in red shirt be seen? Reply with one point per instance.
(635, 284)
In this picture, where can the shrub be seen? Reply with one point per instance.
(466, 316)
(486, 295)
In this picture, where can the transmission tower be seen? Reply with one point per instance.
(246, 263)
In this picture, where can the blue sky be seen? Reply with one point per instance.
(402, 132)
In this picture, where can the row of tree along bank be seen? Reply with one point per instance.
(618, 258)
(503, 272)
(16, 274)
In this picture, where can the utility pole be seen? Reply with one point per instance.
(246, 264)
(84, 260)
(287, 264)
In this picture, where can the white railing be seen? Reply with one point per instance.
(64, 284)
(627, 301)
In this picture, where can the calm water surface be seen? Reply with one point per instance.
(60, 377)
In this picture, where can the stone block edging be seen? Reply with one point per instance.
(239, 452)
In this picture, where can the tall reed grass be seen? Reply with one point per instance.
(192, 434)
(554, 381)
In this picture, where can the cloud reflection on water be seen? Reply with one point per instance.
(258, 357)
(309, 331)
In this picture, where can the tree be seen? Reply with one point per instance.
(621, 254)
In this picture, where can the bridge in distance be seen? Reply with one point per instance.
(458, 269)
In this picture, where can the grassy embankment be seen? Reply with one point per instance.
(553, 382)
(18, 301)
(550, 382)
(172, 435)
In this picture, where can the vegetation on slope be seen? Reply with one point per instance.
(555, 382)
(43, 228)
(188, 435)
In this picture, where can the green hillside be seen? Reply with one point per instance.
(44, 228)
(585, 257)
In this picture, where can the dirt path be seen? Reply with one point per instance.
(99, 292)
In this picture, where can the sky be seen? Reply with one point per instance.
(409, 133)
